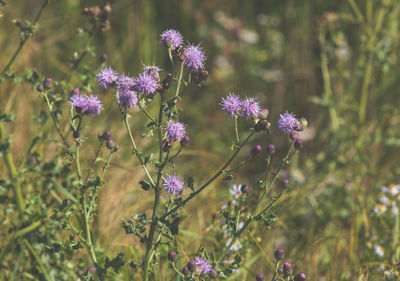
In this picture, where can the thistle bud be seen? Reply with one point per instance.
(279, 254)
(47, 83)
(172, 256)
(260, 277)
(271, 149)
(66, 202)
(303, 122)
(40, 88)
(294, 136)
(103, 57)
(261, 125)
(200, 76)
(191, 266)
(263, 114)
(256, 150)
(213, 273)
(166, 145)
(106, 135)
(75, 91)
(284, 184)
(76, 134)
(185, 270)
(244, 189)
(298, 143)
(287, 268)
(185, 141)
(80, 272)
(166, 83)
(91, 269)
(110, 144)
(300, 277)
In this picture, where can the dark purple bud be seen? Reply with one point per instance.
(256, 150)
(285, 183)
(106, 135)
(298, 144)
(185, 141)
(300, 277)
(75, 91)
(116, 147)
(191, 266)
(172, 256)
(213, 273)
(261, 125)
(263, 113)
(47, 82)
(244, 189)
(260, 277)
(103, 57)
(294, 136)
(91, 269)
(185, 270)
(76, 134)
(287, 268)
(279, 254)
(298, 127)
(271, 148)
(80, 272)
(40, 88)
(66, 202)
(110, 144)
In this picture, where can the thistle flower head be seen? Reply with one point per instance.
(107, 77)
(193, 58)
(231, 104)
(171, 38)
(78, 101)
(173, 185)
(152, 70)
(286, 123)
(146, 84)
(128, 99)
(124, 83)
(251, 108)
(93, 106)
(175, 130)
(203, 265)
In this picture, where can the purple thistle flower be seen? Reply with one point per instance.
(251, 108)
(93, 106)
(171, 39)
(203, 265)
(175, 130)
(231, 104)
(128, 99)
(193, 58)
(173, 185)
(107, 77)
(146, 84)
(125, 83)
(78, 101)
(286, 123)
(152, 70)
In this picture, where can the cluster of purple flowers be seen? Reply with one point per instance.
(234, 106)
(90, 105)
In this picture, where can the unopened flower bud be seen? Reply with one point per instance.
(103, 57)
(110, 144)
(80, 272)
(287, 268)
(116, 148)
(294, 136)
(300, 277)
(298, 127)
(185, 270)
(166, 145)
(106, 135)
(263, 114)
(166, 83)
(298, 143)
(279, 254)
(285, 183)
(256, 150)
(260, 277)
(303, 122)
(66, 202)
(280, 270)
(75, 91)
(191, 266)
(200, 76)
(40, 88)
(47, 83)
(76, 134)
(213, 273)
(91, 269)
(172, 256)
(244, 189)
(185, 141)
(271, 149)
(261, 125)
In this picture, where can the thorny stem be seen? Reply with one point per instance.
(22, 42)
(134, 148)
(216, 175)
(54, 118)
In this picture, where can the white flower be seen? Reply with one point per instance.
(379, 209)
(236, 245)
(379, 250)
(384, 200)
(392, 189)
(235, 191)
(395, 209)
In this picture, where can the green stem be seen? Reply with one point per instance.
(12, 171)
(134, 148)
(94, 160)
(37, 258)
(236, 130)
(179, 81)
(54, 118)
(22, 42)
(216, 175)
(77, 160)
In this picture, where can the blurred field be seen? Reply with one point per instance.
(319, 59)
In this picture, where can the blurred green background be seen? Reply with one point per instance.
(335, 62)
